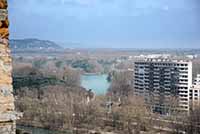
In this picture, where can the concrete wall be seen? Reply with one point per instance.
(7, 113)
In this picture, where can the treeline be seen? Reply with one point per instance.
(51, 97)
(41, 94)
(84, 64)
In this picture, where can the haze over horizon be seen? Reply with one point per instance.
(108, 23)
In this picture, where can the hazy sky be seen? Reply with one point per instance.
(109, 23)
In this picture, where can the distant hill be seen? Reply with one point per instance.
(33, 45)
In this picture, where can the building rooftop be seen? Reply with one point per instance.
(163, 60)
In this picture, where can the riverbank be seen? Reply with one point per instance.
(35, 130)
(38, 130)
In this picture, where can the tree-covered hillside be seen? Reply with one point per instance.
(33, 44)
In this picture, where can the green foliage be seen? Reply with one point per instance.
(58, 64)
(69, 62)
(106, 62)
(109, 78)
(83, 64)
(39, 63)
(19, 82)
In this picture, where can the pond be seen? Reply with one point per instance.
(97, 82)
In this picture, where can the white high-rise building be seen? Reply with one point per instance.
(195, 93)
(157, 80)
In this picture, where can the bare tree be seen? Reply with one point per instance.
(193, 121)
(121, 84)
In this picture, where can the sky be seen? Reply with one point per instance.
(108, 23)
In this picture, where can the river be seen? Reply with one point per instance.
(34, 130)
(97, 82)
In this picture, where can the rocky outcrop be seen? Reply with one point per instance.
(7, 111)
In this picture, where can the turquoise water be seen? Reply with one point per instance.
(98, 83)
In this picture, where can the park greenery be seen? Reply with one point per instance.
(49, 94)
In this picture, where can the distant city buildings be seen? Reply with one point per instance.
(160, 81)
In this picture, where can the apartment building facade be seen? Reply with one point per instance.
(164, 83)
(195, 93)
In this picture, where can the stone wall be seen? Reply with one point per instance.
(7, 113)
